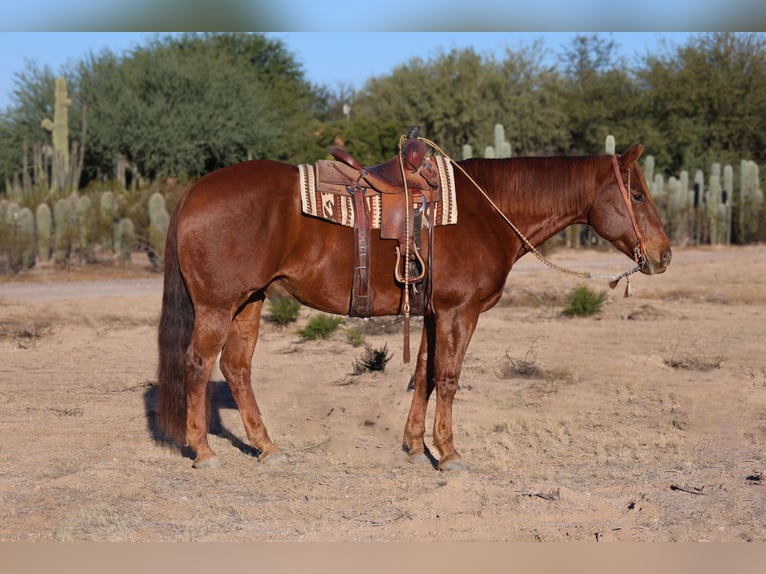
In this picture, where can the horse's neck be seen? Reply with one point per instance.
(541, 196)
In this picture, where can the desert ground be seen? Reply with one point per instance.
(644, 423)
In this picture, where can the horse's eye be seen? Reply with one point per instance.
(638, 198)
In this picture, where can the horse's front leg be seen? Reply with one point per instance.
(415, 428)
(453, 332)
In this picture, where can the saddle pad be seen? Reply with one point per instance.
(334, 207)
(338, 207)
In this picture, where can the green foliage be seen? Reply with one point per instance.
(707, 100)
(284, 310)
(372, 359)
(599, 91)
(320, 326)
(583, 301)
(192, 103)
(457, 98)
(355, 337)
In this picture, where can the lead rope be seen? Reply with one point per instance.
(405, 256)
(613, 279)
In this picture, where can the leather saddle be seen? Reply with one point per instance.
(401, 213)
(388, 179)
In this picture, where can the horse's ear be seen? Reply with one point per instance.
(632, 154)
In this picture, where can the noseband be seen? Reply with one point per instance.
(639, 252)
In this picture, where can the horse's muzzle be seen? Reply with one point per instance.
(659, 265)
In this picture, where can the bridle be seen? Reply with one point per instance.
(639, 252)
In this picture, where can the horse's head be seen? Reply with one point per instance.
(625, 214)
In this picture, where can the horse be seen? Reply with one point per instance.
(239, 230)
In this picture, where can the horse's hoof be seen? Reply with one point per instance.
(418, 458)
(210, 462)
(276, 457)
(456, 465)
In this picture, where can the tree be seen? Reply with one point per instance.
(32, 100)
(599, 96)
(189, 104)
(708, 99)
(457, 98)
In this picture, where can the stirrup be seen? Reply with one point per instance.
(413, 258)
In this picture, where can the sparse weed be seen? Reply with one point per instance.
(372, 360)
(525, 368)
(693, 363)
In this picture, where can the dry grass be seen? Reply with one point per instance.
(24, 329)
(694, 361)
(527, 367)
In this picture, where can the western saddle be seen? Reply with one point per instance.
(408, 187)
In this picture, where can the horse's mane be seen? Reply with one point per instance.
(539, 186)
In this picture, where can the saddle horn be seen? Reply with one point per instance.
(414, 149)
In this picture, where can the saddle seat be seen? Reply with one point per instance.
(386, 178)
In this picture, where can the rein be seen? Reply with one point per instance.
(638, 252)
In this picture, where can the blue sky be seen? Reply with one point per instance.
(328, 58)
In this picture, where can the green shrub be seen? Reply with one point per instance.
(284, 310)
(584, 302)
(372, 360)
(320, 327)
(355, 337)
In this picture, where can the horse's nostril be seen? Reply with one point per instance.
(666, 256)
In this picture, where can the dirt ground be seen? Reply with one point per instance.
(645, 423)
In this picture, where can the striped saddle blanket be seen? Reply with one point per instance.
(323, 194)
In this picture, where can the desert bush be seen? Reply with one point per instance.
(320, 327)
(284, 310)
(583, 301)
(355, 337)
(372, 359)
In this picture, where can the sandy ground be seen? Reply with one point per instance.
(646, 423)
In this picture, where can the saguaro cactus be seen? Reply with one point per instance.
(25, 238)
(127, 233)
(158, 224)
(502, 146)
(59, 128)
(65, 232)
(107, 212)
(44, 220)
(649, 168)
(750, 201)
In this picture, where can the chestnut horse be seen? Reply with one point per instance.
(240, 229)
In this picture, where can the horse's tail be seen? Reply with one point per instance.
(175, 330)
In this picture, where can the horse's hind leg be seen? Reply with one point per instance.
(207, 338)
(236, 361)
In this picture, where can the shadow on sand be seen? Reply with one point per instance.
(220, 398)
